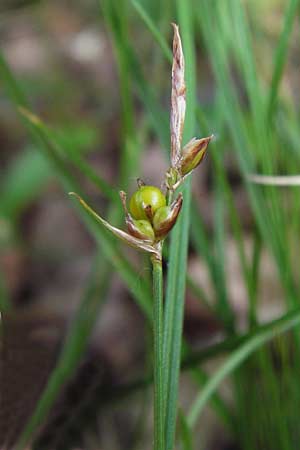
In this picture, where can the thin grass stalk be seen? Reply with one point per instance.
(240, 136)
(157, 116)
(150, 103)
(49, 146)
(158, 355)
(251, 344)
(194, 359)
(153, 29)
(103, 186)
(26, 176)
(5, 303)
(223, 307)
(185, 432)
(218, 404)
(72, 351)
(117, 20)
(175, 295)
(281, 55)
(222, 179)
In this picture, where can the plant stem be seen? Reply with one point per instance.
(158, 355)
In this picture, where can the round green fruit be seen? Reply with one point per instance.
(161, 216)
(143, 197)
(145, 229)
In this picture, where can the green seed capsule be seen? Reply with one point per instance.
(193, 153)
(146, 196)
(141, 229)
(161, 215)
(165, 218)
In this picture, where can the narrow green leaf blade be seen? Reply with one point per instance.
(23, 182)
(237, 357)
(74, 347)
(175, 295)
(281, 55)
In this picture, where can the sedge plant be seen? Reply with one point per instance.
(151, 215)
(147, 224)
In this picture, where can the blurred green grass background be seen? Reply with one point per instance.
(97, 74)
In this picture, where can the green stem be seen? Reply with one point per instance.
(158, 359)
(5, 303)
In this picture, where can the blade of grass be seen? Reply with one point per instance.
(218, 165)
(217, 402)
(48, 139)
(223, 306)
(202, 245)
(73, 348)
(142, 290)
(185, 432)
(11, 84)
(104, 187)
(158, 118)
(199, 292)
(23, 182)
(161, 128)
(264, 143)
(153, 29)
(159, 438)
(254, 279)
(116, 16)
(194, 359)
(139, 288)
(218, 158)
(281, 55)
(237, 357)
(270, 230)
(235, 21)
(5, 304)
(175, 294)
(197, 227)
(156, 32)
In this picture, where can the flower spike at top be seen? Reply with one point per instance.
(152, 214)
(183, 161)
(178, 102)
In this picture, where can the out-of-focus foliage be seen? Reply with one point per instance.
(97, 74)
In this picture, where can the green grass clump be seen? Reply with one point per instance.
(257, 128)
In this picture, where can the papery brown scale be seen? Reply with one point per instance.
(178, 102)
(149, 212)
(141, 244)
(166, 217)
(193, 153)
(135, 229)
